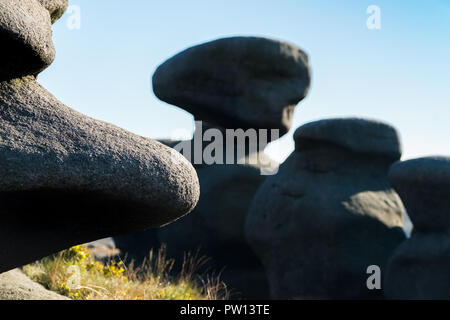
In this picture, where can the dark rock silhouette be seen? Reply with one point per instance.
(330, 213)
(65, 178)
(418, 269)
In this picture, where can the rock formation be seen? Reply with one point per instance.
(26, 35)
(56, 8)
(419, 267)
(232, 83)
(239, 82)
(330, 213)
(14, 285)
(65, 178)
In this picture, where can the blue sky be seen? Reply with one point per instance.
(399, 74)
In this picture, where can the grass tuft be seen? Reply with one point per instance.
(76, 274)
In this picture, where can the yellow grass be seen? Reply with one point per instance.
(75, 274)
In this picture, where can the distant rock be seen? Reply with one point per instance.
(357, 135)
(232, 83)
(103, 250)
(329, 213)
(56, 8)
(14, 285)
(216, 225)
(418, 269)
(239, 82)
(26, 38)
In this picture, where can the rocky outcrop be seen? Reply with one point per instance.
(418, 269)
(68, 179)
(14, 285)
(330, 213)
(232, 83)
(26, 37)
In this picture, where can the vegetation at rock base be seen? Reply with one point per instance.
(76, 274)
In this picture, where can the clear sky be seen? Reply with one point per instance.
(399, 74)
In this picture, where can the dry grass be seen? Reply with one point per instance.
(75, 274)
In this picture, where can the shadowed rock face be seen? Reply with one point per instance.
(26, 38)
(329, 213)
(65, 178)
(418, 269)
(240, 82)
(56, 8)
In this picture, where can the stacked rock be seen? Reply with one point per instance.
(330, 213)
(419, 267)
(232, 83)
(65, 178)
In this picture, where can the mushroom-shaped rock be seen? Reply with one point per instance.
(68, 179)
(239, 82)
(418, 269)
(26, 38)
(329, 213)
(56, 8)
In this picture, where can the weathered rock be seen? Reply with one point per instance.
(26, 38)
(239, 82)
(56, 8)
(424, 186)
(68, 179)
(418, 269)
(14, 285)
(329, 213)
(233, 83)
